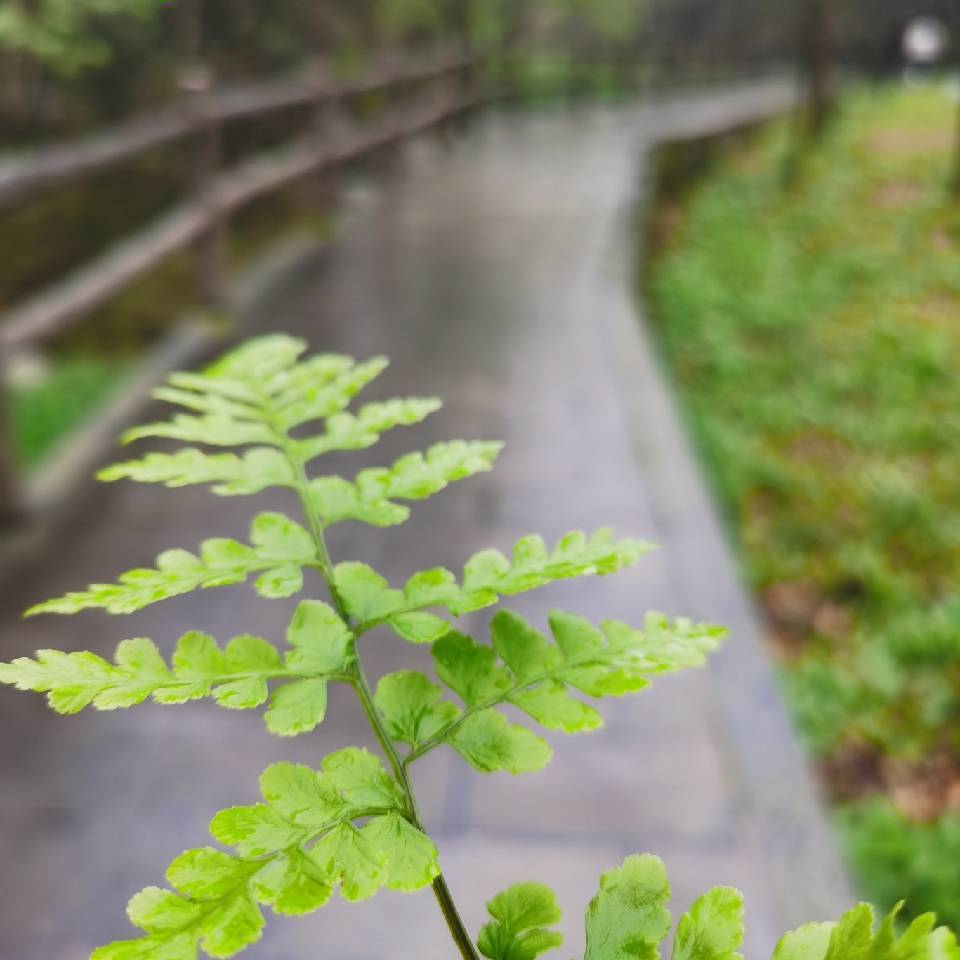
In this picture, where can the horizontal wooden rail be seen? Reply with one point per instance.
(23, 175)
(57, 307)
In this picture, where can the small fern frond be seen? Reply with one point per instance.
(487, 576)
(345, 826)
(238, 676)
(279, 549)
(524, 669)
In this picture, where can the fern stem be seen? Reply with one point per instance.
(359, 682)
(441, 891)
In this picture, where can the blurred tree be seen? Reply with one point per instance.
(63, 34)
(818, 54)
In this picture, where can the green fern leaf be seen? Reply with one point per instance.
(853, 937)
(279, 546)
(262, 467)
(237, 677)
(488, 576)
(712, 929)
(412, 708)
(629, 918)
(489, 742)
(518, 930)
(415, 476)
(524, 669)
(411, 858)
(292, 851)
(229, 474)
(809, 942)
(357, 431)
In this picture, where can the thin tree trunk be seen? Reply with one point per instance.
(9, 487)
(956, 158)
(819, 44)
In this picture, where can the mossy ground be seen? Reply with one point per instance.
(809, 308)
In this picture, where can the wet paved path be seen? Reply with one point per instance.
(495, 271)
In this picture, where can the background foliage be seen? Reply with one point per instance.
(813, 333)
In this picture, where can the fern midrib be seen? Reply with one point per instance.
(360, 683)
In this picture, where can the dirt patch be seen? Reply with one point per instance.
(903, 141)
(898, 194)
(817, 446)
(924, 790)
(853, 772)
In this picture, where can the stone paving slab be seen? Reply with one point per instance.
(493, 270)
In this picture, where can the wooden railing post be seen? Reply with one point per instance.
(196, 83)
(10, 504)
(324, 128)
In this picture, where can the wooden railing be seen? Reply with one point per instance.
(443, 86)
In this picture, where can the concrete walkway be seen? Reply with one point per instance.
(495, 271)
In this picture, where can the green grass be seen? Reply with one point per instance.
(814, 333)
(42, 414)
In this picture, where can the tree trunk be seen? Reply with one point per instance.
(819, 57)
(956, 158)
(9, 487)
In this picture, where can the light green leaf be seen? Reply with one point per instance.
(347, 855)
(230, 475)
(412, 708)
(629, 918)
(292, 851)
(336, 500)
(419, 627)
(416, 476)
(518, 931)
(524, 650)
(533, 675)
(301, 795)
(552, 707)
(320, 639)
(470, 669)
(361, 779)
(279, 545)
(365, 594)
(411, 858)
(160, 911)
(489, 575)
(349, 431)
(809, 942)
(232, 926)
(237, 678)
(280, 582)
(293, 884)
(207, 874)
(297, 707)
(852, 935)
(255, 831)
(712, 929)
(488, 742)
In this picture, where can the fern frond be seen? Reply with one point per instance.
(629, 919)
(345, 826)
(520, 917)
(237, 677)
(230, 475)
(279, 549)
(486, 577)
(415, 476)
(526, 670)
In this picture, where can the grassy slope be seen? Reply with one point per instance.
(42, 414)
(815, 334)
